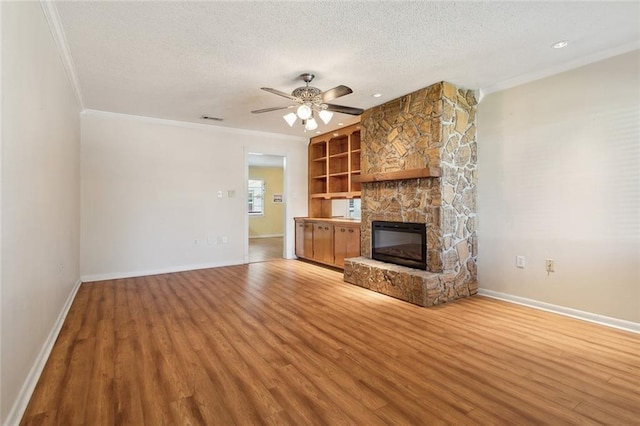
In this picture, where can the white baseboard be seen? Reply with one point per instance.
(633, 327)
(20, 405)
(266, 236)
(169, 270)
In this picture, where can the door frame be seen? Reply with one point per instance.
(287, 246)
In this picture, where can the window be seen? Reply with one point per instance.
(256, 197)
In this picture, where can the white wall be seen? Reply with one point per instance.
(40, 189)
(150, 190)
(559, 163)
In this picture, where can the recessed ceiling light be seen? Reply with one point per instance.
(377, 95)
(560, 44)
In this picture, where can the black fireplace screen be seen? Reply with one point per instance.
(400, 243)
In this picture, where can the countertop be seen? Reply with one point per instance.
(344, 220)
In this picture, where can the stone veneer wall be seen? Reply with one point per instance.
(432, 127)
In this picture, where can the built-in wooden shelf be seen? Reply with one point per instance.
(334, 164)
(427, 172)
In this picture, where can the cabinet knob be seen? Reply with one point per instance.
(351, 230)
(326, 228)
(342, 229)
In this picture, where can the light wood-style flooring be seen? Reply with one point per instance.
(286, 342)
(265, 249)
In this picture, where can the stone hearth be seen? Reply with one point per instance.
(413, 285)
(432, 128)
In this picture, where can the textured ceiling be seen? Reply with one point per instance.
(180, 60)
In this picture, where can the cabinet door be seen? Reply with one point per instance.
(346, 243)
(340, 244)
(300, 238)
(323, 242)
(353, 242)
(308, 240)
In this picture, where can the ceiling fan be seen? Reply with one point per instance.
(310, 101)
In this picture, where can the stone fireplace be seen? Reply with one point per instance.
(418, 165)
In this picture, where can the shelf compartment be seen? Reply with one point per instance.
(318, 186)
(354, 181)
(318, 150)
(355, 161)
(339, 183)
(317, 168)
(355, 141)
(338, 145)
(338, 165)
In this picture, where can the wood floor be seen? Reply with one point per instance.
(264, 249)
(286, 342)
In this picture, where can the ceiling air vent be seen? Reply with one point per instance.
(206, 117)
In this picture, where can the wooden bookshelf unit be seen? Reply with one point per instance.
(334, 165)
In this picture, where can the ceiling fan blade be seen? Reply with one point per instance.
(279, 93)
(344, 109)
(336, 92)
(260, 111)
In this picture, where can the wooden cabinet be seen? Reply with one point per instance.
(334, 171)
(327, 241)
(346, 243)
(323, 242)
(334, 163)
(308, 239)
(304, 239)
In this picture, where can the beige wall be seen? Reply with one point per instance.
(271, 223)
(40, 198)
(559, 163)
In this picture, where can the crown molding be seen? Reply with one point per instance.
(188, 124)
(577, 63)
(55, 26)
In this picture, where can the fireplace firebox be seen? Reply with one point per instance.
(401, 243)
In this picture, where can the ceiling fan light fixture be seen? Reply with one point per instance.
(310, 103)
(304, 112)
(311, 124)
(290, 119)
(325, 116)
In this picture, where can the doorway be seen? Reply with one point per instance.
(266, 207)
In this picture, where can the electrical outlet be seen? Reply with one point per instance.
(520, 261)
(550, 265)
